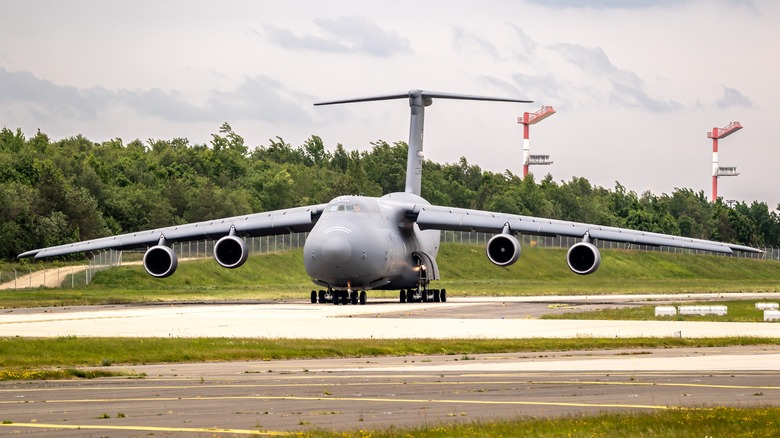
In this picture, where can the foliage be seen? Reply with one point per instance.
(58, 191)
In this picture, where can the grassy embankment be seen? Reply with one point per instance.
(464, 269)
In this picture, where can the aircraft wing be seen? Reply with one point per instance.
(433, 217)
(299, 219)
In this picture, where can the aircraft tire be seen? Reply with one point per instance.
(402, 296)
(363, 297)
(436, 296)
(313, 297)
(344, 297)
(353, 297)
(443, 295)
(321, 297)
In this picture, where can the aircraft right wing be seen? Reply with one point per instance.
(299, 219)
(460, 219)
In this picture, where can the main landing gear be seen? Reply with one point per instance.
(338, 297)
(424, 295)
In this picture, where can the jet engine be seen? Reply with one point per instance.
(230, 252)
(160, 261)
(503, 249)
(583, 258)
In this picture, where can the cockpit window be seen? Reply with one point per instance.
(345, 207)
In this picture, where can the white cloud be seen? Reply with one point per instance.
(733, 98)
(342, 35)
(469, 42)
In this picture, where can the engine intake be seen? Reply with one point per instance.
(503, 249)
(583, 258)
(160, 261)
(230, 252)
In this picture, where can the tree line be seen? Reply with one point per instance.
(60, 191)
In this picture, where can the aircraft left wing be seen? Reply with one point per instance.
(299, 219)
(460, 219)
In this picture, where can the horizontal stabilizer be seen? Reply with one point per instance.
(423, 94)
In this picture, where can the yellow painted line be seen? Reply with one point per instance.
(145, 428)
(255, 385)
(86, 318)
(366, 399)
(685, 385)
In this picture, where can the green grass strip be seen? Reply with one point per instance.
(705, 422)
(738, 311)
(68, 352)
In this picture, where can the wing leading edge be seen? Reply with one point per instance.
(460, 219)
(300, 219)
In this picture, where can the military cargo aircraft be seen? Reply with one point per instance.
(357, 243)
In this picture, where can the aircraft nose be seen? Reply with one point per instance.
(336, 249)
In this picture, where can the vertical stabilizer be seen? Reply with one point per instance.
(418, 100)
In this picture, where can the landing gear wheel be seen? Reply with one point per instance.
(344, 297)
(321, 297)
(313, 297)
(402, 296)
(436, 296)
(363, 297)
(443, 295)
(353, 297)
(336, 298)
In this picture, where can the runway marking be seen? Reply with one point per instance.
(693, 385)
(85, 318)
(367, 399)
(256, 385)
(146, 428)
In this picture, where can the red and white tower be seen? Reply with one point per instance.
(527, 120)
(717, 172)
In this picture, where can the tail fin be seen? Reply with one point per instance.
(418, 100)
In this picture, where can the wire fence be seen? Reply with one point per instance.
(79, 276)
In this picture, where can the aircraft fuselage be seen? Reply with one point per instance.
(363, 243)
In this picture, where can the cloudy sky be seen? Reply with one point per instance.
(636, 84)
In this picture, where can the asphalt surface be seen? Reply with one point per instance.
(275, 397)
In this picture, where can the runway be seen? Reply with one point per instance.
(277, 397)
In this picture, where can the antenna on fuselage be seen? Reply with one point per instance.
(418, 100)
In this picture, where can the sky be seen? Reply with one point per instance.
(636, 85)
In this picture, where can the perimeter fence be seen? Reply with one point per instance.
(76, 276)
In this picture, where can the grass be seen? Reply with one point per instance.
(57, 374)
(465, 271)
(705, 422)
(69, 352)
(738, 311)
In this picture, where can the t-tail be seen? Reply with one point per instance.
(418, 100)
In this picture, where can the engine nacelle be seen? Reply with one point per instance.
(503, 249)
(160, 261)
(230, 252)
(583, 258)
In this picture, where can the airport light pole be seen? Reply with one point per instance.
(717, 172)
(527, 120)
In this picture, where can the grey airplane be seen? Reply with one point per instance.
(357, 243)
